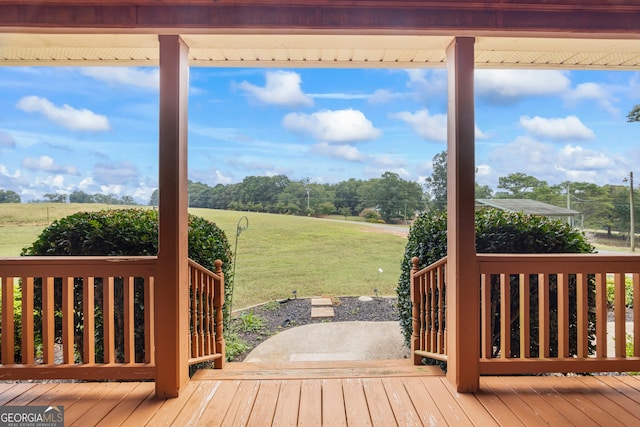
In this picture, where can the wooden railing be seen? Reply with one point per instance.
(206, 325)
(557, 306)
(49, 332)
(77, 339)
(539, 313)
(429, 337)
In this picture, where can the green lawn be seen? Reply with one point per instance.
(275, 255)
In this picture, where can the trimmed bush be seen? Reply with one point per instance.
(496, 232)
(126, 232)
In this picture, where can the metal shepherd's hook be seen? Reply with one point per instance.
(243, 224)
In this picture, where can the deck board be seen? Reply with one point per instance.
(288, 404)
(300, 398)
(333, 409)
(400, 402)
(216, 411)
(310, 411)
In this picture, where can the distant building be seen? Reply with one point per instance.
(531, 207)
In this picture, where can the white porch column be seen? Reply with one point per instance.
(463, 290)
(172, 291)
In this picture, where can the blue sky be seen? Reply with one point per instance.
(96, 129)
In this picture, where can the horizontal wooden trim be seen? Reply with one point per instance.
(201, 359)
(118, 371)
(559, 16)
(430, 355)
(78, 266)
(556, 263)
(570, 365)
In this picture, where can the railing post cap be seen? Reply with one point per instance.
(415, 261)
(218, 264)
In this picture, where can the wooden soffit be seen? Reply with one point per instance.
(331, 33)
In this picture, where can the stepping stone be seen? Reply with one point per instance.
(321, 312)
(365, 299)
(317, 302)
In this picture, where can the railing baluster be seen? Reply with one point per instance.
(415, 311)
(218, 303)
(194, 312)
(543, 315)
(620, 315)
(28, 351)
(601, 315)
(525, 316)
(48, 321)
(149, 316)
(201, 328)
(635, 277)
(108, 326)
(563, 315)
(505, 316)
(441, 308)
(428, 312)
(129, 329)
(485, 323)
(582, 311)
(88, 307)
(68, 347)
(8, 331)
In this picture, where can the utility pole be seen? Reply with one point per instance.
(632, 231)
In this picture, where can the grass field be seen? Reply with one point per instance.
(275, 255)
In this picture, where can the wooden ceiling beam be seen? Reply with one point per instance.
(467, 17)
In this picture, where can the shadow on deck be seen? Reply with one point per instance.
(384, 393)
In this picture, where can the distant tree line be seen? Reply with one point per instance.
(8, 196)
(391, 196)
(82, 197)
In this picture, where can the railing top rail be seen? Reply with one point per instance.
(205, 270)
(77, 259)
(431, 266)
(61, 266)
(555, 263)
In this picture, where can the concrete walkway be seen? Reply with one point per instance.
(333, 341)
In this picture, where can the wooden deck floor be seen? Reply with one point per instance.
(342, 394)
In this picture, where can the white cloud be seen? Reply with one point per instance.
(581, 159)
(425, 84)
(388, 161)
(569, 128)
(554, 164)
(333, 126)
(5, 172)
(48, 165)
(337, 151)
(116, 173)
(66, 115)
(432, 127)
(383, 96)
(221, 178)
(341, 96)
(6, 140)
(590, 91)
(509, 85)
(281, 88)
(127, 76)
(111, 189)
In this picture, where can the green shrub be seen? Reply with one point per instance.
(496, 232)
(128, 232)
(628, 291)
(371, 215)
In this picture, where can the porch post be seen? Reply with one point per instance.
(172, 291)
(463, 290)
